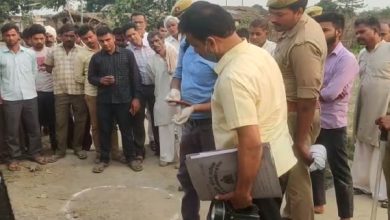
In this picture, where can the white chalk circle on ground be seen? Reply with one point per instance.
(119, 202)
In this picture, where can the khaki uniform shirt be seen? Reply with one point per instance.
(301, 54)
(64, 70)
(249, 92)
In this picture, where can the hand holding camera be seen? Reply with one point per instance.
(222, 210)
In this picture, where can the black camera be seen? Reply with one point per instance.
(220, 210)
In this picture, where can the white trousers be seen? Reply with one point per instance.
(150, 124)
(170, 136)
(364, 169)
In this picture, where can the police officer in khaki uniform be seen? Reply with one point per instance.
(180, 6)
(300, 53)
(314, 11)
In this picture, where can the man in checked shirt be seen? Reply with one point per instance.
(115, 73)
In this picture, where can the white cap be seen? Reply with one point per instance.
(51, 30)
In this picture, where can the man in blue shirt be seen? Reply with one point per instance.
(18, 69)
(192, 83)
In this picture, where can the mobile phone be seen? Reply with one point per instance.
(180, 102)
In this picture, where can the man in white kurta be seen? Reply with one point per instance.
(373, 101)
(160, 67)
(172, 25)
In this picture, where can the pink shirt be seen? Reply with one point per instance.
(341, 68)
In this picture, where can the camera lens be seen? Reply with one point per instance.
(217, 211)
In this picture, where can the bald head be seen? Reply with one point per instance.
(385, 32)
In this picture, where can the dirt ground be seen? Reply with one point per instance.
(68, 190)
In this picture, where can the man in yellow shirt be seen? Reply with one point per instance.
(248, 106)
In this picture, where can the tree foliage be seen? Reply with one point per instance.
(383, 13)
(55, 4)
(12, 7)
(117, 12)
(7, 8)
(350, 6)
(328, 5)
(97, 5)
(24, 7)
(347, 7)
(155, 10)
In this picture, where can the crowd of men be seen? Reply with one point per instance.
(203, 86)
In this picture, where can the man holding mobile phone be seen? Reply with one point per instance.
(115, 73)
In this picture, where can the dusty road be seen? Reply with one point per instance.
(68, 190)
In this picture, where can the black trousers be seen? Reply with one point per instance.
(335, 142)
(269, 208)
(47, 115)
(197, 137)
(147, 101)
(108, 114)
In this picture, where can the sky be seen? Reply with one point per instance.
(370, 3)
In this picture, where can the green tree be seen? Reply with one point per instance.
(383, 13)
(328, 5)
(155, 10)
(12, 7)
(7, 8)
(55, 4)
(97, 5)
(350, 6)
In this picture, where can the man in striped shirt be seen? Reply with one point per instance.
(143, 53)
